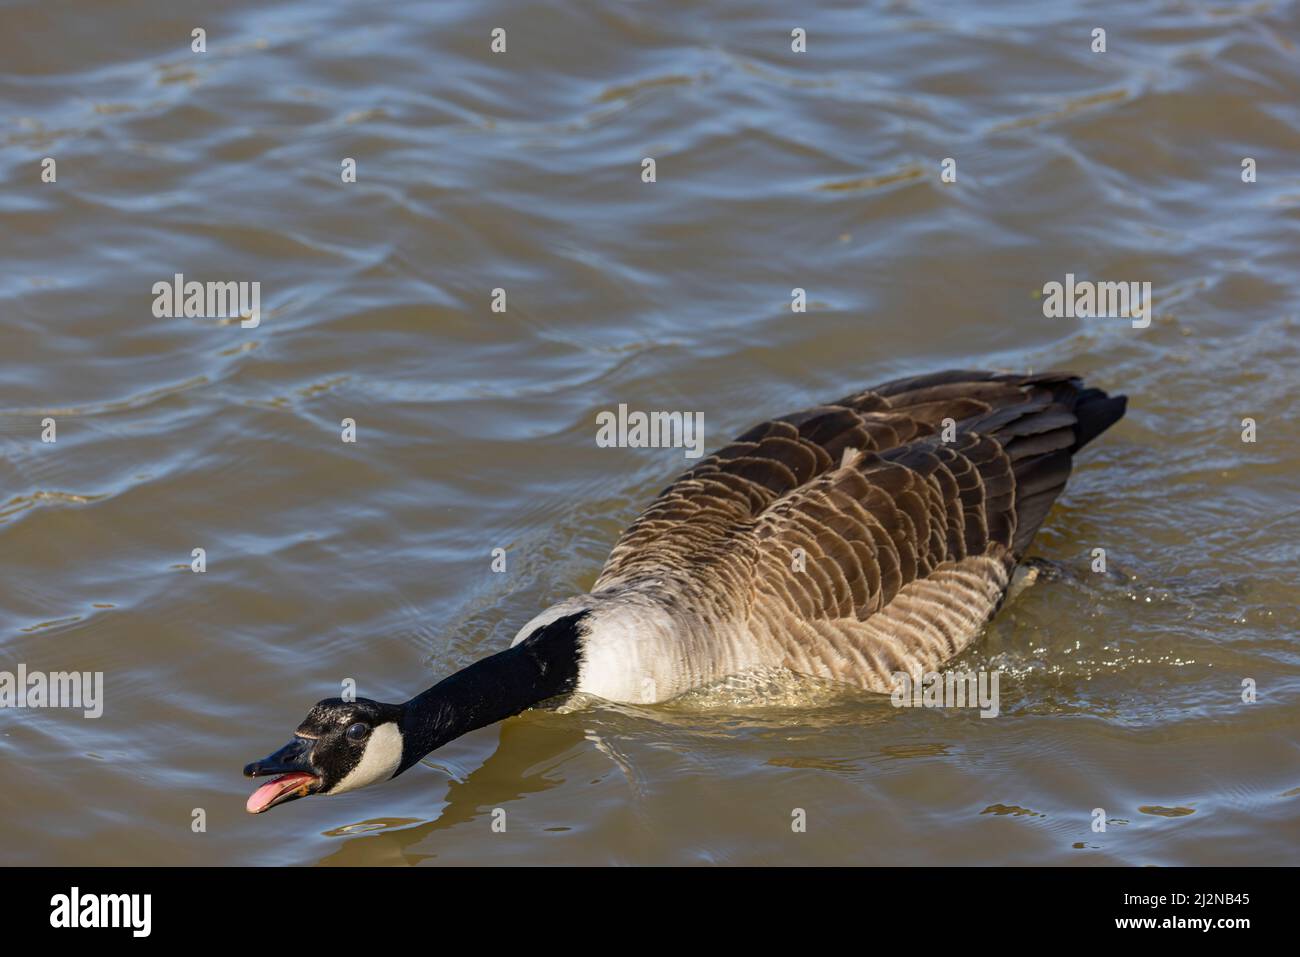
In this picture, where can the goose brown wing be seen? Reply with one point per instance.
(696, 531)
(894, 561)
(890, 563)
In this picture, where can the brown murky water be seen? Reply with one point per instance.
(522, 171)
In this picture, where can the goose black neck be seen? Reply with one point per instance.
(544, 665)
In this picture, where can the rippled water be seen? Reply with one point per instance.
(522, 171)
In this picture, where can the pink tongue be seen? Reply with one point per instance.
(261, 799)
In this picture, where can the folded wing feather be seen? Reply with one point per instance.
(850, 540)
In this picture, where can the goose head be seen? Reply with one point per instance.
(340, 746)
(344, 745)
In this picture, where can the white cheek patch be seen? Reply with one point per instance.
(380, 759)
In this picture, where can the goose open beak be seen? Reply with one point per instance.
(296, 776)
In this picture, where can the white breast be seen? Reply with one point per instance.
(629, 655)
(631, 648)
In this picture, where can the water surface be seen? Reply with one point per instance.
(522, 171)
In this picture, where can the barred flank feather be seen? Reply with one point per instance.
(847, 541)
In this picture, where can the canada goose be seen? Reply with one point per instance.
(872, 535)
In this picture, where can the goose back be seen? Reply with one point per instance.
(866, 536)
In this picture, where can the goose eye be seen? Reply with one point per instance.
(357, 732)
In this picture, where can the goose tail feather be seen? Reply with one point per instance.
(1043, 441)
(1096, 412)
